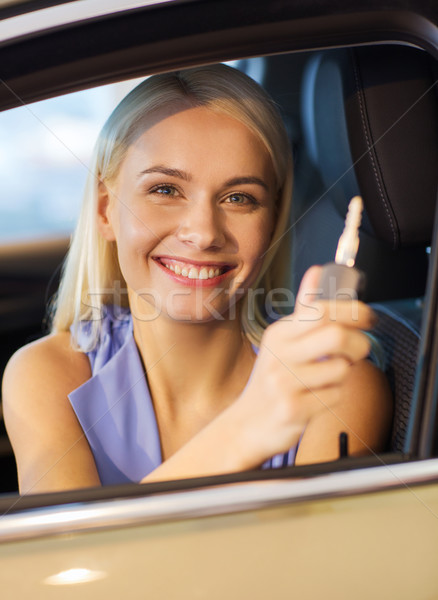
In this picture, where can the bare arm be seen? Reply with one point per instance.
(50, 448)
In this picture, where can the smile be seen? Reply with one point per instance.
(193, 271)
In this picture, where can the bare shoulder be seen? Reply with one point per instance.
(49, 361)
(364, 413)
(50, 448)
(368, 406)
(367, 384)
(38, 379)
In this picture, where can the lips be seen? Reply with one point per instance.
(193, 270)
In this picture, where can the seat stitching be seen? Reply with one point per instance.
(370, 151)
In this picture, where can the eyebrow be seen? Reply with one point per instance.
(167, 171)
(246, 180)
(170, 172)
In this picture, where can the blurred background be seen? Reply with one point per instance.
(45, 151)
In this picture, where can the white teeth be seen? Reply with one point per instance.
(194, 272)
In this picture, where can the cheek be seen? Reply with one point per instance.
(138, 231)
(135, 238)
(257, 239)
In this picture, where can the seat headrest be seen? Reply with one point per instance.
(376, 107)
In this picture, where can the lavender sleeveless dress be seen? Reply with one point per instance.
(115, 409)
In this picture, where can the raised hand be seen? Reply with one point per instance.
(302, 366)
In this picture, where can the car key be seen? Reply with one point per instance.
(341, 277)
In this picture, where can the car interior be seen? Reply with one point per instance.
(384, 102)
(368, 125)
(361, 120)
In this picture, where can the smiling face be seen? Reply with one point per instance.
(192, 213)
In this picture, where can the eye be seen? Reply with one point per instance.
(165, 190)
(240, 199)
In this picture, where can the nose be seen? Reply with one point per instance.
(202, 227)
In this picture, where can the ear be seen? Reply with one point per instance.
(104, 205)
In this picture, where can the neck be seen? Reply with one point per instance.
(203, 365)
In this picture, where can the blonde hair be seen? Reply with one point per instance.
(92, 263)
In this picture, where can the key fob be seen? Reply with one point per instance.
(341, 283)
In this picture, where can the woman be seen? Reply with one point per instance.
(160, 364)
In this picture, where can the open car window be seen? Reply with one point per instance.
(52, 141)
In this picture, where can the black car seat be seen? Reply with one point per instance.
(370, 126)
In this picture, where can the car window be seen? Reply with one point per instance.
(45, 149)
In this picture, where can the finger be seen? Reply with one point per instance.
(308, 307)
(326, 373)
(323, 343)
(310, 289)
(333, 340)
(309, 286)
(353, 315)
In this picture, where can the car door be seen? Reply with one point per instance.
(355, 528)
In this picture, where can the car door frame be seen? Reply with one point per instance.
(281, 26)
